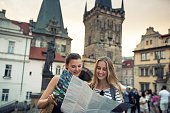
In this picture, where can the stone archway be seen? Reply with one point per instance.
(86, 75)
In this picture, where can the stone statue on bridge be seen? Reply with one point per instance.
(50, 56)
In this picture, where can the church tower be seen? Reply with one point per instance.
(103, 35)
(49, 27)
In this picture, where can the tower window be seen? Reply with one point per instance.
(89, 41)
(63, 48)
(53, 30)
(110, 55)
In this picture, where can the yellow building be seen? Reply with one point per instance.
(152, 46)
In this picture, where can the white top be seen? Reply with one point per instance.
(108, 94)
(164, 94)
(143, 100)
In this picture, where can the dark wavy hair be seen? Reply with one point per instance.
(72, 56)
(143, 94)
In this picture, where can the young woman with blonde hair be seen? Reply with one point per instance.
(105, 81)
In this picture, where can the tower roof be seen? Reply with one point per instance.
(122, 5)
(106, 3)
(50, 9)
(85, 11)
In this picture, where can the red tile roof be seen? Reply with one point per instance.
(128, 64)
(22, 25)
(36, 54)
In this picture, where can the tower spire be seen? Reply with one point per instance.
(122, 6)
(50, 10)
(106, 3)
(85, 11)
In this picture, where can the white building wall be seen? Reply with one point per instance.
(11, 32)
(20, 81)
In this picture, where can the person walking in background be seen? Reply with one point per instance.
(148, 97)
(155, 102)
(132, 100)
(126, 97)
(164, 97)
(143, 103)
(137, 97)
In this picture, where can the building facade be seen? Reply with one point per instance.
(14, 59)
(128, 73)
(153, 46)
(103, 35)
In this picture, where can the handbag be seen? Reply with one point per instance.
(47, 109)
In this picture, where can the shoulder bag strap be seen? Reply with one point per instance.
(112, 91)
(91, 86)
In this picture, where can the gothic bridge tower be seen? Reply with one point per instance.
(50, 27)
(103, 35)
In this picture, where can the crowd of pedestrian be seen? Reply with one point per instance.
(147, 101)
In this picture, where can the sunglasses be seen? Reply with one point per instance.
(102, 93)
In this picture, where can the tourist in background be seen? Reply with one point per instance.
(137, 97)
(126, 97)
(132, 100)
(148, 94)
(155, 102)
(164, 97)
(143, 103)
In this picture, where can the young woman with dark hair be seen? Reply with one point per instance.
(73, 64)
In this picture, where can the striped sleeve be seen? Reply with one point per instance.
(117, 96)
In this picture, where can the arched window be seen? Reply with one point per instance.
(58, 70)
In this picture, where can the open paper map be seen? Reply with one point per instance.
(75, 96)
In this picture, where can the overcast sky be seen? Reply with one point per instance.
(139, 15)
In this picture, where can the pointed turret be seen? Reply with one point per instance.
(122, 6)
(85, 11)
(50, 12)
(106, 3)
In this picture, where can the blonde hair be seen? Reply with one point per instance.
(111, 78)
